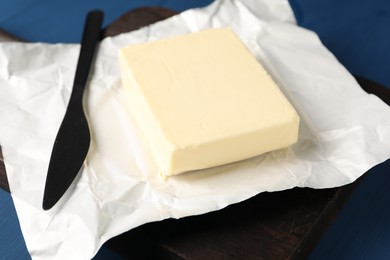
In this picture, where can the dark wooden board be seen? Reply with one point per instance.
(3, 175)
(278, 225)
(6, 37)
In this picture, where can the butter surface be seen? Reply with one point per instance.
(202, 100)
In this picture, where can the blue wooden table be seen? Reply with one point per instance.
(356, 31)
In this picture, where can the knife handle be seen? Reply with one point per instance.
(90, 38)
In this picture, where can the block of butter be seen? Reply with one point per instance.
(203, 100)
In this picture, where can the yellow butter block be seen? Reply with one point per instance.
(203, 100)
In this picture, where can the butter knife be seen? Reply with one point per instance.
(73, 138)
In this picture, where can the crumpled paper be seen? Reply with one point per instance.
(343, 133)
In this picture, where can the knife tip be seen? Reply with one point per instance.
(47, 204)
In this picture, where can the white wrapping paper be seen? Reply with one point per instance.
(343, 132)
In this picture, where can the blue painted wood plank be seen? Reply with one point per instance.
(12, 244)
(356, 31)
(62, 21)
(11, 8)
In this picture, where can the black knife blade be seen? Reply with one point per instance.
(73, 138)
